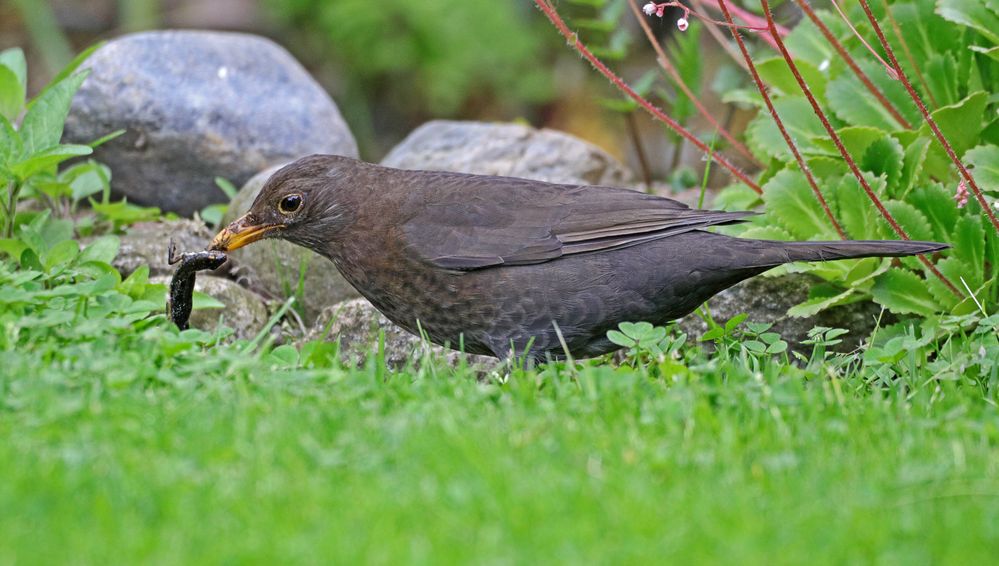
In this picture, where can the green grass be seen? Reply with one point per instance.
(256, 460)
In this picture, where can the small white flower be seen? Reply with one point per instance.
(649, 8)
(824, 65)
(682, 24)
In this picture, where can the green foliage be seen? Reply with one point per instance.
(907, 168)
(436, 54)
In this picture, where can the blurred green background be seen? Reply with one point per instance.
(391, 65)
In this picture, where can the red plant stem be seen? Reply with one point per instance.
(718, 37)
(780, 123)
(807, 9)
(552, 14)
(929, 119)
(842, 149)
(667, 66)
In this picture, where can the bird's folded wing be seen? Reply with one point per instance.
(516, 222)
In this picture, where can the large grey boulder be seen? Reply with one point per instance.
(767, 299)
(512, 150)
(273, 267)
(198, 105)
(358, 325)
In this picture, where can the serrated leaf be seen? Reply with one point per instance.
(797, 116)
(903, 292)
(984, 161)
(43, 124)
(818, 301)
(852, 103)
(736, 197)
(914, 222)
(884, 157)
(912, 166)
(766, 233)
(940, 72)
(855, 211)
(953, 269)
(968, 240)
(856, 140)
(791, 203)
(971, 13)
(960, 123)
(938, 206)
(806, 42)
(776, 73)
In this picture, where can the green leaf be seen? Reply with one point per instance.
(806, 42)
(940, 72)
(43, 124)
(620, 339)
(14, 60)
(856, 140)
(60, 255)
(736, 197)
(820, 298)
(884, 157)
(903, 292)
(952, 268)
(914, 222)
(71, 67)
(766, 233)
(960, 123)
(12, 94)
(973, 14)
(48, 158)
(10, 143)
(103, 250)
(852, 103)
(912, 167)
(939, 208)
(791, 203)
(969, 247)
(797, 116)
(201, 301)
(984, 161)
(855, 211)
(776, 73)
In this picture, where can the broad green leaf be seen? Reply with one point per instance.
(60, 254)
(991, 52)
(200, 301)
(855, 211)
(914, 222)
(939, 208)
(793, 205)
(766, 233)
(912, 167)
(960, 123)
(940, 72)
(884, 157)
(776, 73)
(736, 197)
(971, 13)
(856, 140)
(14, 60)
(852, 103)
(903, 292)
(806, 42)
(10, 143)
(984, 161)
(103, 249)
(820, 298)
(953, 269)
(797, 116)
(749, 97)
(11, 94)
(969, 246)
(47, 158)
(43, 124)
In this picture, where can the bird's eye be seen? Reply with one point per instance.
(290, 204)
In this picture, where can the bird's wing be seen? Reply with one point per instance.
(473, 222)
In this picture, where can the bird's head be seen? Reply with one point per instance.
(300, 203)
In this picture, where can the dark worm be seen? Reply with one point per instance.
(179, 303)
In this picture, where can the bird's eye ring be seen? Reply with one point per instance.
(290, 204)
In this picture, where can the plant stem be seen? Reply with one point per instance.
(671, 71)
(842, 149)
(929, 119)
(802, 164)
(13, 189)
(860, 74)
(553, 16)
(636, 142)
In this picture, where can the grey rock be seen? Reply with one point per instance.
(245, 312)
(766, 300)
(196, 105)
(272, 267)
(146, 243)
(512, 150)
(357, 324)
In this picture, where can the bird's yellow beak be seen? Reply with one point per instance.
(244, 230)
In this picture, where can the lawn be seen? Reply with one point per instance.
(221, 457)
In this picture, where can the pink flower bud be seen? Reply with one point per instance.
(961, 196)
(649, 8)
(682, 24)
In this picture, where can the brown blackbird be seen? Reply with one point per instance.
(488, 264)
